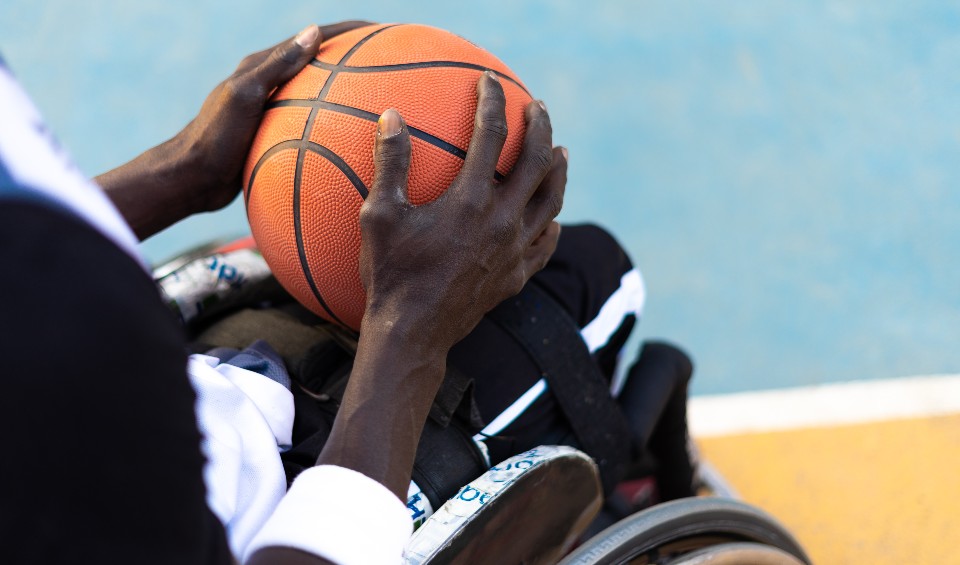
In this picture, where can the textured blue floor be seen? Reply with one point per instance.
(785, 173)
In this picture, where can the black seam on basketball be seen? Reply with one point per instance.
(338, 162)
(408, 66)
(290, 143)
(306, 145)
(335, 159)
(348, 54)
(298, 233)
(297, 230)
(333, 72)
(370, 116)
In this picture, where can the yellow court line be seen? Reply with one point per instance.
(878, 492)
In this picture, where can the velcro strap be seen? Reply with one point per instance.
(551, 337)
(447, 458)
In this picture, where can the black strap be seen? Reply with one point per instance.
(455, 398)
(548, 333)
(447, 457)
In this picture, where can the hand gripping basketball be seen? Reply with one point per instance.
(223, 130)
(199, 169)
(440, 266)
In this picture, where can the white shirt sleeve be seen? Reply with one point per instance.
(340, 515)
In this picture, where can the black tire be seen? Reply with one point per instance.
(665, 531)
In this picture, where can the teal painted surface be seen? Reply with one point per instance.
(786, 174)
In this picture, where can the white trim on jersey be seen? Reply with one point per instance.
(37, 162)
(628, 299)
(513, 411)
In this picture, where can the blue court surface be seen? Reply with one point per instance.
(785, 173)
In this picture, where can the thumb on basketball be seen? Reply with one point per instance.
(288, 58)
(391, 158)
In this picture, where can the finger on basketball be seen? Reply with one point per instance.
(536, 156)
(330, 31)
(547, 201)
(325, 156)
(254, 60)
(539, 252)
(288, 58)
(391, 158)
(489, 129)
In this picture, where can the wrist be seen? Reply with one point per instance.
(155, 190)
(180, 162)
(395, 378)
(412, 317)
(403, 340)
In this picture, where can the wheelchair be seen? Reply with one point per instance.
(533, 508)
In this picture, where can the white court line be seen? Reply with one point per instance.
(824, 405)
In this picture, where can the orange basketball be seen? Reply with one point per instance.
(311, 164)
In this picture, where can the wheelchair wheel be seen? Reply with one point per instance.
(737, 554)
(666, 533)
(528, 509)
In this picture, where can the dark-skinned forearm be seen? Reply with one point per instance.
(396, 374)
(395, 378)
(142, 190)
(200, 169)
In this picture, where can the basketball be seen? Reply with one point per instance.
(311, 163)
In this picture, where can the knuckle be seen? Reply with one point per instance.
(389, 152)
(554, 204)
(372, 215)
(389, 166)
(471, 210)
(507, 235)
(248, 61)
(242, 91)
(541, 158)
(494, 126)
(285, 55)
(471, 207)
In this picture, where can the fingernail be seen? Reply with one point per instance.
(306, 37)
(542, 105)
(389, 124)
(566, 154)
(493, 76)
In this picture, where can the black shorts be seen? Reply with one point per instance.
(582, 275)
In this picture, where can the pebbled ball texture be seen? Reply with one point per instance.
(311, 163)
